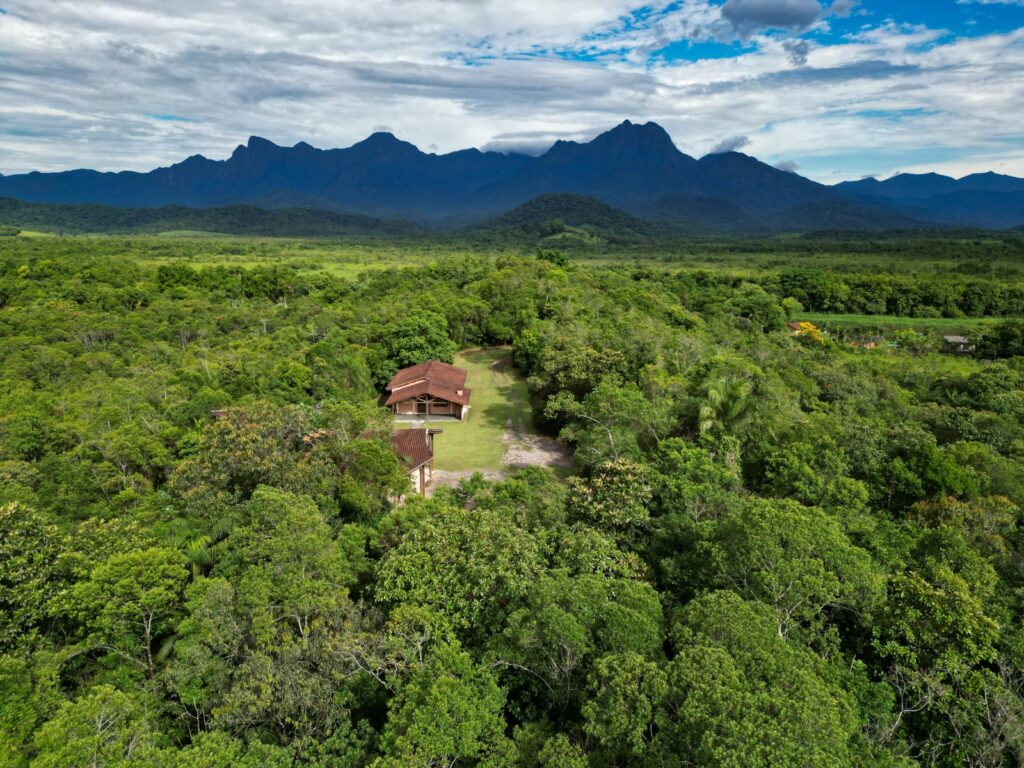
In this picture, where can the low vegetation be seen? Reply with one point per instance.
(777, 548)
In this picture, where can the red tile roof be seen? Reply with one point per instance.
(460, 396)
(440, 373)
(432, 378)
(412, 446)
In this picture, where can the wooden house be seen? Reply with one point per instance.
(430, 389)
(415, 447)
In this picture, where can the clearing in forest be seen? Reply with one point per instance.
(498, 436)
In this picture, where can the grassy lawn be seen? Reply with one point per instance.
(948, 325)
(498, 395)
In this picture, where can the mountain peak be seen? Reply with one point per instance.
(380, 139)
(258, 142)
(649, 131)
(255, 146)
(629, 138)
(384, 143)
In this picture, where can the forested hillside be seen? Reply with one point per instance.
(231, 220)
(780, 547)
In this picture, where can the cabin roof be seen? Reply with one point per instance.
(956, 339)
(412, 447)
(432, 378)
(441, 374)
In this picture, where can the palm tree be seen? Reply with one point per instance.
(726, 405)
(199, 552)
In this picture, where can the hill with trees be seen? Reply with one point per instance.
(567, 218)
(234, 220)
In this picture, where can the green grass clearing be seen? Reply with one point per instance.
(499, 395)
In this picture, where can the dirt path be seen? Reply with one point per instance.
(522, 449)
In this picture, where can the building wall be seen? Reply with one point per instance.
(434, 408)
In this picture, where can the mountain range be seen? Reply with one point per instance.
(979, 200)
(634, 167)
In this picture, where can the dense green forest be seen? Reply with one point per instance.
(778, 548)
(230, 220)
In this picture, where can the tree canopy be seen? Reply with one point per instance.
(776, 546)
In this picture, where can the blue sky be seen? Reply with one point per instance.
(836, 89)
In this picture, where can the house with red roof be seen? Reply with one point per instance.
(430, 389)
(415, 449)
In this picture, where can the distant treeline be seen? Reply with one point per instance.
(869, 294)
(230, 220)
(913, 295)
(815, 290)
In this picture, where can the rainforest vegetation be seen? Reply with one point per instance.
(779, 547)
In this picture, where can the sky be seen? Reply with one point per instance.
(834, 90)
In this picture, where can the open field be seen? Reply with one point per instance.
(499, 398)
(499, 401)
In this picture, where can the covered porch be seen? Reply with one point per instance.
(429, 407)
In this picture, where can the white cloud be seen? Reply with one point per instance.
(100, 84)
(731, 144)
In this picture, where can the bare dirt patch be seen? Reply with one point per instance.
(522, 448)
(531, 451)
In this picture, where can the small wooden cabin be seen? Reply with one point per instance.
(429, 389)
(415, 447)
